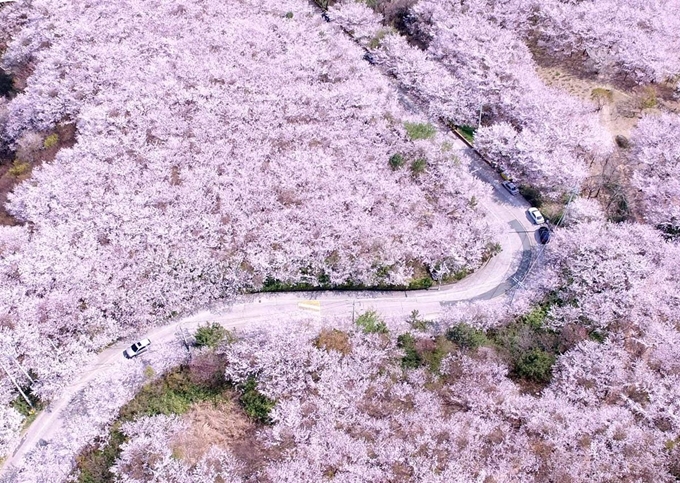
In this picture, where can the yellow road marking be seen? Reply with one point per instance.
(314, 305)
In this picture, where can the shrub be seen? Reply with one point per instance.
(420, 283)
(396, 161)
(468, 132)
(22, 407)
(419, 130)
(535, 365)
(94, 461)
(536, 317)
(417, 322)
(648, 99)
(528, 346)
(411, 359)
(149, 373)
(289, 14)
(255, 404)
(418, 166)
(210, 335)
(466, 336)
(433, 351)
(19, 168)
(370, 323)
(51, 140)
(532, 195)
(426, 351)
(324, 279)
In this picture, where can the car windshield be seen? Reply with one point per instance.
(134, 347)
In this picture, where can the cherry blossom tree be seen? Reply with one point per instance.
(657, 169)
(219, 148)
(635, 41)
(475, 66)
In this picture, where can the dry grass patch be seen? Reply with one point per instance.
(224, 425)
(333, 339)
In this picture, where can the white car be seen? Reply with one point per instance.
(137, 348)
(536, 216)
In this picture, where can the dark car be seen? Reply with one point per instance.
(369, 58)
(511, 187)
(544, 235)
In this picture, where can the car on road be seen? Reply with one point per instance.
(536, 216)
(511, 187)
(137, 348)
(543, 235)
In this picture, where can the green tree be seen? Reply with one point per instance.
(255, 404)
(210, 335)
(411, 359)
(418, 166)
(466, 336)
(535, 365)
(396, 161)
(370, 323)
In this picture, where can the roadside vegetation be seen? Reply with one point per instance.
(198, 384)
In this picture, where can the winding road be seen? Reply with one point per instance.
(499, 274)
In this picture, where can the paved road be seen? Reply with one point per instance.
(490, 281)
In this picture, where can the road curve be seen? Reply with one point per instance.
(493, 279)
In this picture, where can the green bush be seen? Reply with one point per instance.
(19, 168)
(597, 336)
(420, 283)
(255, 404)
(370, 323)
(289, 14)
(94, 462)
(324, 279)
(418, 166)
(528, 345)
(419, 130)
(51, 140)
(396, 161)
(535, 365)
(210, 335)
(532, 195)
(466, 336)
(172, 394)
(417, 322)
(536, 317)
(434, 351)
(428, 352)
(411, 359)
(468, 132)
